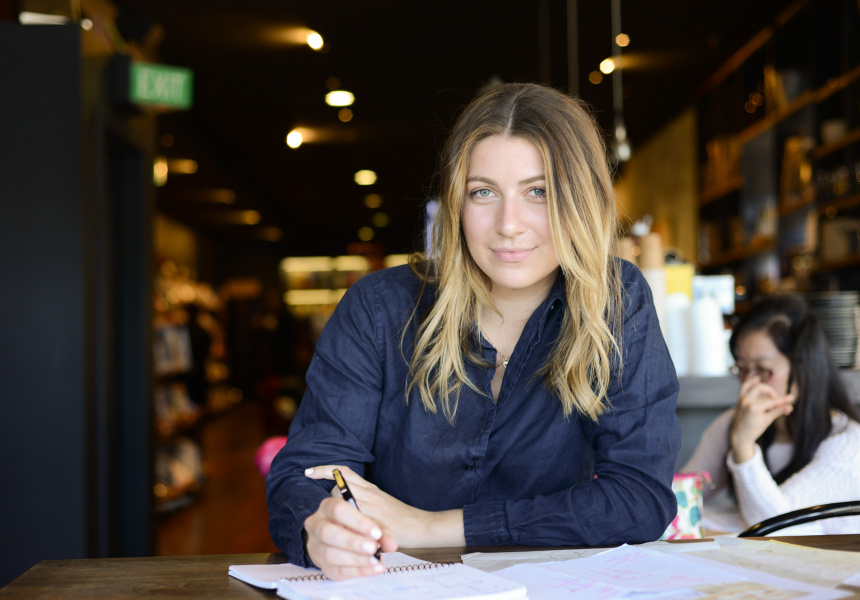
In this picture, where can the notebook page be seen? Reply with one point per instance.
(447, 582)
(266, 576)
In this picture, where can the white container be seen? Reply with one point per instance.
(708, 338)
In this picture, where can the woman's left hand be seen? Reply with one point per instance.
(412, 527)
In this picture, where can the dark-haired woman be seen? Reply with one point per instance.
(793, 440)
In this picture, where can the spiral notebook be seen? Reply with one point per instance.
(406, 577)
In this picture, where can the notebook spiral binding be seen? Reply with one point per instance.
(398, 569)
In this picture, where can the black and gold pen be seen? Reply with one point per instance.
(347, 495)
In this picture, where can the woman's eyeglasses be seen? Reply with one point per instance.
(743, 372)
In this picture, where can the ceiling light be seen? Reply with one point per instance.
(595, 77)
(86, 24)
(294, 139)
(373, 201)
(339, 98)
(345, 115)
(365, 177)
(622, 39)
(365, 234)
(380, 219)
(607, 66)
(315, 40)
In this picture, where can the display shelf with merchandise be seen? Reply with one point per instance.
(779, 126)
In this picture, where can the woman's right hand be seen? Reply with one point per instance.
(759, 405)
(341, 541)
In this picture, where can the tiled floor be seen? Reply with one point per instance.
(229, 514)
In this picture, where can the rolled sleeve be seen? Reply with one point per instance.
(336, 421)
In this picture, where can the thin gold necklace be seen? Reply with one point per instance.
(505, 359)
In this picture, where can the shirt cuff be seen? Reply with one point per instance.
(486, 524)
(756, 459)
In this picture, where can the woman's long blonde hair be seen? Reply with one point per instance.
(582, 217)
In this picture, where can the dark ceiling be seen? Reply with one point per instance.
(411, 66)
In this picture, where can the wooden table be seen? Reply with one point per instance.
(206, 576)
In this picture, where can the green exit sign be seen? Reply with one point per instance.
(160, 85)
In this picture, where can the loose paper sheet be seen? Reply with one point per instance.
(637, 573)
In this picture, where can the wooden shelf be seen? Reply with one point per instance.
(730, 256)
(717, 192)
(841, 204)
(836, 84)
(836, 265)
(806, 200)
(846, 140)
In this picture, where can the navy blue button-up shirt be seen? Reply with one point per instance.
(521, 472)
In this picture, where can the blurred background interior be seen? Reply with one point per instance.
(189, 187)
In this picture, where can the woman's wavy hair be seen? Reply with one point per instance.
(789, 323)
(582, 216)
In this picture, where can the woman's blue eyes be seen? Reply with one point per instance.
(487, 193)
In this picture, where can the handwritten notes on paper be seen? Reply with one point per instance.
(630, 572)
(614, 574)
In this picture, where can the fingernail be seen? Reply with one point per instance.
(376, 533)
(309, 471)
(369, 547)
(378, 569)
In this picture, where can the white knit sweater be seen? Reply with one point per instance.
(833, 475)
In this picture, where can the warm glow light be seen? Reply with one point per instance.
(306, 297)
(740, 290)
(595, 77)
(380, 219)
(607, 65)
(373, 201)
(250, 217)
(756, 98)
(339, 98)
(624, 151)
(365, 177)
(315, 40)
(273, 234)
(223, 195)
(352, 262)
(294, 139)
(86, 24)
(345, 115)
(394, 260)
(306, 264)
(159, 171)
(183, 166)
(622, 39)
(831, 212)
(365, 234)
(749, 107)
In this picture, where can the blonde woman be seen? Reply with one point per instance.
(511, 388)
